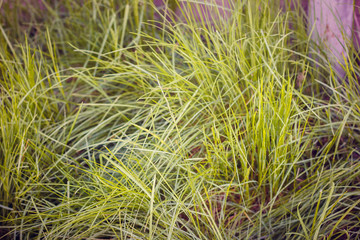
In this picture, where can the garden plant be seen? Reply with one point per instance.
(119, 122)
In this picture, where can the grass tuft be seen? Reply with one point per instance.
(116, 127)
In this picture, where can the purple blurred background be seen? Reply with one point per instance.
(334, 21)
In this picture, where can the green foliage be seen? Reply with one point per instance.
(114, 128)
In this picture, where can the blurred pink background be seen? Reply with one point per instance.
(333, 21)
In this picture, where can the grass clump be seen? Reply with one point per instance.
(133, 131)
